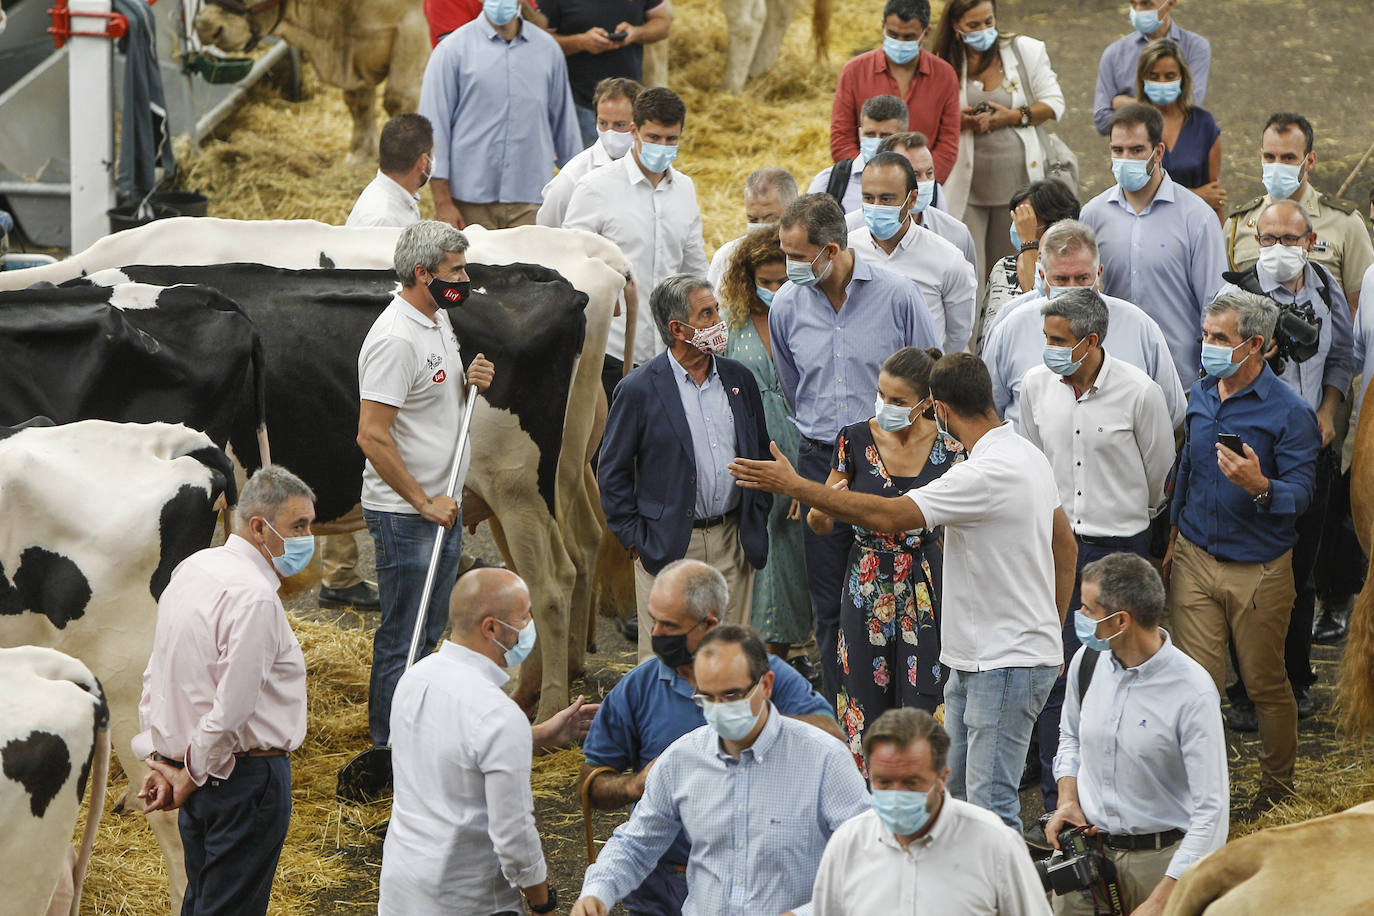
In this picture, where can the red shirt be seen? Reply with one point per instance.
(444, 16)
(932, 100)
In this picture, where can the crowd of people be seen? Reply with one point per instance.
(975, 437)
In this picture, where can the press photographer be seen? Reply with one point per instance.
(1142, 757)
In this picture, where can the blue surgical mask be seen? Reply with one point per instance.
(1163, 93)
(1132, 174)
(1060, 359)
(803, 273)
(868, 147)
(1280, 179)
(982, 39)
(523, 643)
(1085, 628)
(901, 52)
(1043, 287)
(733, 720)
(1015, 239)
(656, 156)
(501, 11)
(296, 553)
(883, 222)
(765, 294)
(891, 417)
(1216, 360)
(925, 193)
(1146, 22)
(904, 813)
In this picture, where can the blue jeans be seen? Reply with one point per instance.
(586, 124)
(989, 716)
(403, 543)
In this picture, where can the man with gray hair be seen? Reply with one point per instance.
(881, 117)
(767, 192)
(651, 707)
(224, 698)
(1244, 478)
(1106, 431)
(674, 427)
(408, 429)
(1068, 258)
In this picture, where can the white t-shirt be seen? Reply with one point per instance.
(411, 363)
(997, 508)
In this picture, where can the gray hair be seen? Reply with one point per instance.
(886, 108)
(671, 301)
(822, 218)
(267, 491)
(1255, 315)
(761, 181)
(1127, 582)
(703, 588)
(1067, 236)
(424, 244)
(1084, 309)
(1287, 205)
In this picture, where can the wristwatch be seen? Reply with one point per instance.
(1264, 499)
(1025, 116)
(548, 906)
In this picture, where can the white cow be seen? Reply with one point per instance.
(96, 517)
(54, 733)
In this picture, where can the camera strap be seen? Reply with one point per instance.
(1086, 666)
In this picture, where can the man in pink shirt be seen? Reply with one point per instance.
(224, 699)
(927, 85)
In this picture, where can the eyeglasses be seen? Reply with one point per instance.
(1268, 241)
(729, 696)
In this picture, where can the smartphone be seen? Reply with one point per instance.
(982, 108)
(618, 36)
(1231, 441)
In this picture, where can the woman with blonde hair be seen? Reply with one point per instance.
(781, 609)
(1192, 139)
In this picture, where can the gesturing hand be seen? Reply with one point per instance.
(776, 476)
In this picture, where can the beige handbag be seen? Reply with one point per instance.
(1060, 161)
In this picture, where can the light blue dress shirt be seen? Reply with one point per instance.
(712, 425)
(502, 113)
(758, 824)
(828, 361)
(1016, 344)
(1334, 362)
(1167, 259)
(1116, 71)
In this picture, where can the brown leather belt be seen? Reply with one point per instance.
(262, 752)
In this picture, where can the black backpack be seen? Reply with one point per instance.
(1086, 667)
(839, 180)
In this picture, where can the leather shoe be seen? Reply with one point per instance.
(1307, 704)
(362, 596)
(1242, 718)
(629, 628)
(1332, 623)
(807, 669)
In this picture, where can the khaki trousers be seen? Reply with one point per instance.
(1138, 872)
(1250, 603)
(339, 554)
(718, 547)
(498, 216)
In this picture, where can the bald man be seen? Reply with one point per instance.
(462, 837)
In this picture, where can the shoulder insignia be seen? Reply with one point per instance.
(1335, 203)
(1245, 207)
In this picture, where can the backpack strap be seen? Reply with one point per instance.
(1086, 666)
(839, 180)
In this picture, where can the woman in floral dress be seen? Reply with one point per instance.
(889, 645)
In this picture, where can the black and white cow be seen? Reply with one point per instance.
(54, 735)
(96, 517)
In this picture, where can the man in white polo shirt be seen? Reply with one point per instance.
(1008, 575)
(412, 390)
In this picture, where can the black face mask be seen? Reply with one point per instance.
(672, 649)
(448, 294)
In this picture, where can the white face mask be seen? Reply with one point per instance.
(616, 143)
(754, 227)
(712, 340)
(1282, 262)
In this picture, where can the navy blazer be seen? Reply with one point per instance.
(647, 472)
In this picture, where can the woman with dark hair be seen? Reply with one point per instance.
(999, 147)
(781, 606)
(1192, 139)
(889, 645)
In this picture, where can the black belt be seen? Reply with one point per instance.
(1105, 541)
(1139, 841)
(714, 520)
(817, 443)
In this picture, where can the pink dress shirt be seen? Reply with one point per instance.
(226, 674)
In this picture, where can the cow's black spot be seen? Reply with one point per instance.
(326, 261)
(40, 763)
(222, 479)
(187, 524)
(45, 583)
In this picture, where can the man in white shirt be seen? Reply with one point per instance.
(614, 100)
(920, 850)
(1142, 753)
(649, 209)
(457, 743)
(767, 193)
(1106, 431)
(1068, 258)
(891, 238)
(881, 117)
(1008, 576)
(412, 391)
(405, 158)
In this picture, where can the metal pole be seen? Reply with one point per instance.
(90, 108)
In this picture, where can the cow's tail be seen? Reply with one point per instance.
(631, 322)
(260, 398)
(1355, 693)
(820, 27)
(100, 779)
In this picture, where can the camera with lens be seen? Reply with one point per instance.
(1297, 333)
(1082, 867)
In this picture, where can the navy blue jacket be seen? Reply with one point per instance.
(647, 472)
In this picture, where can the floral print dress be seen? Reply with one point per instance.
(889, 645)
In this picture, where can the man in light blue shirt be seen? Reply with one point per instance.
(1160, 243)
(1068, 258)
(1150, 20)
(497, 94)
(758, 793)
(832, 326)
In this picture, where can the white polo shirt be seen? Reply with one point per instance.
(937, 267)
(411, 363)
(997, 509)
(1111, 448)
(384, 203)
